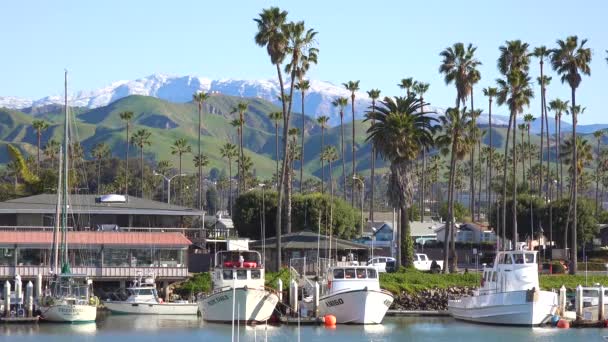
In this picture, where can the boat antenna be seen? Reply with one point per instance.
(65, 268)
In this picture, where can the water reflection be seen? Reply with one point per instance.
(148, 322)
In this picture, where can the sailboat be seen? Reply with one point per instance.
(69, 296)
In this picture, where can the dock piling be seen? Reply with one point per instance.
(578, 302)
(7, 299)
(601, 314)
(562, 301)
(18, 290)
(280, 287)
(38, 288)
(316, 299)
(293, 296)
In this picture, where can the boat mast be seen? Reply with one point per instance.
(65, 267)
(57, 215)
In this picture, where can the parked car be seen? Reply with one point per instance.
(423, 263)
(381, 263)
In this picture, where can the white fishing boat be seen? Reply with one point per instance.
(354, 296)
(509, 295)
(143, 299)
(69, 296)
(238, 293)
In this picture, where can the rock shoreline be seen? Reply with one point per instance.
(429, 300)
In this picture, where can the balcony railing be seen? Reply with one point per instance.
(98, 273)
(122, 229)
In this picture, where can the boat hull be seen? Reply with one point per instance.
(507, 308)
(152, 308)
(356, 306)
(67, 313)
(251, 305)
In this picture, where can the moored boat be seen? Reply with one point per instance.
(354, 296)
(143, 299)
(509, 295)
(238, 292)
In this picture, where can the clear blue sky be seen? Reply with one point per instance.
(377, 42)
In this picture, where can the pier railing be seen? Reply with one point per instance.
(105, 273)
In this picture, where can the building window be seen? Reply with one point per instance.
(30, 257)
(116, 257)
(143, 257)
(171, 258)
(7, 256)
(85, 257)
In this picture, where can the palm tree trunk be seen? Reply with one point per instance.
(242, 158)
(504, 185)
(449, 221)
(38, 153)
(181, 190)
(561, 165)
(491, 156)
(276, 138)
(98, 175)
(141, 158)
(352, 188)
(127, 164)
(574, 267)
(597, 178)
(322, 168)
(407, 252)
(230, 186)
(514, 162)
(542, 114)
(302, 153)
(200, 174)
(342, 156)
(480, 174)
(371, 200)
(548, 181)
(422, 194)
(289, 184)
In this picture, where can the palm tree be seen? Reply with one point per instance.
(241, 108)
(341, 102)
(330, 154)
(420, 88)
(528, 120)
(570, 60)
(522, 150)
(322, 121)
(598, 135)
(373, 94)
(491, 93)
(406, 84)
(141, 138)
(100, 152)
(458, 64)
(559, 107)
(541, 53)
(229, 151)
(200, 98)
(126, 117)
(180, 147)
(352, 86)
(291, 155)
(39, 126)
(515, 91)
(400, 131)
(51, 150)
(276, 117)
(456, 142)
(200, 161)
(302, 86)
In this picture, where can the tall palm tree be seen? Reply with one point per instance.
(373, 94)
(458, 65)
(200, 161)
(240, 109)
(276, 117)
(322, 121)
(515, 91)
(229, 151)
(475, 135)
(598, 135)
(559, 107)
(51, 150)
(570, 60)
(329, 155)
(126, 117)
(491, 93)
(400, 131)
(541, 53)
(100, 152)
(406, 84)
(141, 138)
(200, 99)
(341, 102)
(180, 147)
(528, 120)
(39, 126)
(292, 156)
(456, 142)
(302, 86)
(352, 86)
(420, 88)
(272, 35)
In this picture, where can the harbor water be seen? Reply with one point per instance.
(119, 328)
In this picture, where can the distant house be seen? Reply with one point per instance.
(468, 233)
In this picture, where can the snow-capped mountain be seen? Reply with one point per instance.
(180, 89)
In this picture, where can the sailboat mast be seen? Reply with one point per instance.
(64, 211)
(58, 217)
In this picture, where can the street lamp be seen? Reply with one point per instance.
(169, 183)
(362, 193)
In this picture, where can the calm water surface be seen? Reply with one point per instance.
(154, 328)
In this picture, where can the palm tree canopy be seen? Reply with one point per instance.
(351, 86)
(276, 116)
(303, 85)
(584, 153)
(329, 153)
(406, 83)
(598, 134)
(180, 146)
(558, 106)
(200, 160)
(271, 33)
(515, 91)
(141, 138)
(100, 151)
(421, 88)
(323, 120)
(301, 48)
(40, 125)
(529, 118)
(541, 52)
(340, 102)
(570, 60)
(200, 97)
(513, 56)
(490, 91)
(455, 124)
(401, 128)
(458, 66)
(228, 150)
(126, 116)
(373, 94)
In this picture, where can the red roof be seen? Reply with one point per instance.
(96, 238)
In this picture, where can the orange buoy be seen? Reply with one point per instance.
(330, 320)
(563, 324)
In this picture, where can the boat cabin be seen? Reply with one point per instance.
(238, 269)
(512, 271)
(353, 278)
